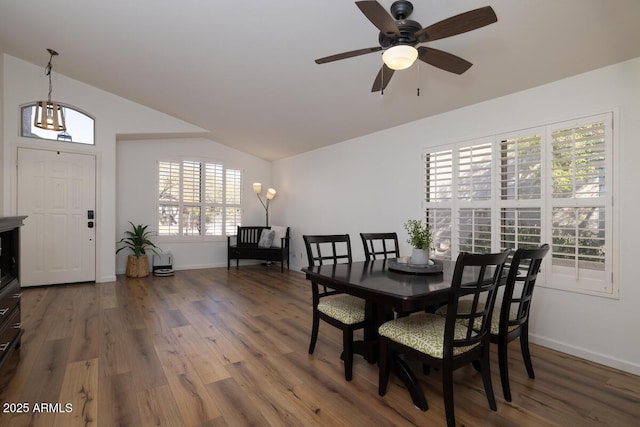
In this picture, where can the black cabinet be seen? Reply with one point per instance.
(10, 292)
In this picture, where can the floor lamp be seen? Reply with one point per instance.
(271, 193)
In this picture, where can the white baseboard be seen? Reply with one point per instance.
(603, 359)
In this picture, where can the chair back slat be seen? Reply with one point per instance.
(335, 248)
(372, 242)
(476, 277)
(532, 260)
(249, 235)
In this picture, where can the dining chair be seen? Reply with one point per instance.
(380, 245)
(511, 317)
(341, 310)
(450, 342)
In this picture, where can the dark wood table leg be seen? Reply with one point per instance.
(404, 373)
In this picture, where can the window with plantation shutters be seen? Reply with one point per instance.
(198, 199)
(550, 184)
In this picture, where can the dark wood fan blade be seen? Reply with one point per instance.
(345, 55)
(379, 17)
(382, 79)
(458, 24)
(444, 60)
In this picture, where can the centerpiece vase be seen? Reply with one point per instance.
(419, 257)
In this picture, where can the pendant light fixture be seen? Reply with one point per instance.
(48, 114)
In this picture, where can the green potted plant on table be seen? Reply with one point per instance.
(138, 241)
(421, 238)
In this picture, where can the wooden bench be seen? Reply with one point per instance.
(244, 245)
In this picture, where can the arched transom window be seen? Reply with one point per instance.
(80, 127)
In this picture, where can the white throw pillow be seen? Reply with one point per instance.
(280, 232)
(266, 238)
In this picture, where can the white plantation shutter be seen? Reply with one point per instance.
(214, 191)
(214, 199)
(474, 230)
(438, 200)
(191, 182)
(439, 176)
(578, 165)
(474, 195)
(581, 203)
(440, 220)
(233, 215)
(474, 172)
(552, 184)
(169, 198)
(191, 192)
(233, 186)
(520, 187)
(521, 167)
(198, 199)
(520, 227)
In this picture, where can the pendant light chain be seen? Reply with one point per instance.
(47, 72)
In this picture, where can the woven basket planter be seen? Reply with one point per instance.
(137, 266)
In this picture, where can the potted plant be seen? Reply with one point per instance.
(421, 238)
(138, 241)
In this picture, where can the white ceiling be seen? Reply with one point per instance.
(245, 70)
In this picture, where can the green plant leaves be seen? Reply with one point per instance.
(138, 240)
(420, 237)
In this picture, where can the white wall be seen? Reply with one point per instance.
(24, 83)
(374, 183)
(137, 193)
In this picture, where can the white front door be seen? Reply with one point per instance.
(56, 190)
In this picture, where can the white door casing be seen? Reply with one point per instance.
(56, 190)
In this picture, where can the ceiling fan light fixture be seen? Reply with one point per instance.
(400, 57)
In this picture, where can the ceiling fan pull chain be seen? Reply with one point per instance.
(418, 78)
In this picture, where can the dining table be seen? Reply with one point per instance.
(388, 292)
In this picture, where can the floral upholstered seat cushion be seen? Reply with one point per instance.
(423, 332)
(464, 306)
(345, 308)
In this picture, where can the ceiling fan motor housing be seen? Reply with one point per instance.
(407, 28)
(400, 10)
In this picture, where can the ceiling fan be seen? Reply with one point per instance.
(399, 36)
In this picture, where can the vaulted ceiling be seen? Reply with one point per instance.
(245, 70)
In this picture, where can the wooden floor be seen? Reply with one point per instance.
(216, 348)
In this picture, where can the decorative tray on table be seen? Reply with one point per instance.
(434, 267)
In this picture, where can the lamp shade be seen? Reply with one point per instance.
(400, 57)
(271, 193)
(257, 187)
(50, 116)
